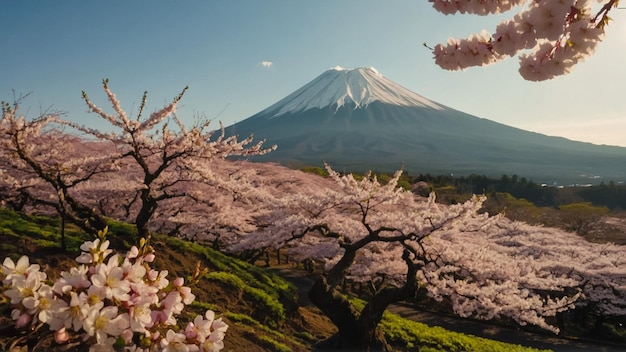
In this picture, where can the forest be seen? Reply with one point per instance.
(610, 195)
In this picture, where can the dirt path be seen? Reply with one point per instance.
(303, 281)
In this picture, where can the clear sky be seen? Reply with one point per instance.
(240, 56)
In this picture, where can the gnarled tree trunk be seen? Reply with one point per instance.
(358, 330)
(353, 334)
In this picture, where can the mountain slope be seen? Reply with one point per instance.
(358, 120)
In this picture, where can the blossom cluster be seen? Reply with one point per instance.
(110, 302)
(557, 33)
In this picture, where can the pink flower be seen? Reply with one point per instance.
(16, 271)
(140, 316)
(188, 297)
(76, 279)
(132, 253)
(94, 252)
(24, 291)
(176, 342)
(49, 308)
(110, 277)
(104, 321)
(90, 297)
(74, 314)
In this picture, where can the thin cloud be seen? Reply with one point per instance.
(266, 64)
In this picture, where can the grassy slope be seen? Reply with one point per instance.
(260, 307)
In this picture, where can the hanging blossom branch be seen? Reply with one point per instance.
(557, 33)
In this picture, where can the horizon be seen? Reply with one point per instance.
(239, 58)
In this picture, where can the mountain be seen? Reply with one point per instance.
(358, 120)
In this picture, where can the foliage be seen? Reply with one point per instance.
(314, 170)
(558, 34)
(539, 195)
(273, 345)
(582, 218)
(191, 250)
(609, 194)
(41, 166)
(253, 278)
(167, 161)
(41, 229)
(516, 209)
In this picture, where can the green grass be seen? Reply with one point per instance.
(204, 306)
(271, 304)
(415, 336)
(45, 232)
(253, 276)
(268, 336)
(273, 345)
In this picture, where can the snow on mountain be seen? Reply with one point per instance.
(338, 86)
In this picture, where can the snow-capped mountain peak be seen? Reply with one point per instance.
(339, 86)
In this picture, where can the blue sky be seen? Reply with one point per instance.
(56, 49)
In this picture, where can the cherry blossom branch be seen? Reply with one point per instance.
(557, 34)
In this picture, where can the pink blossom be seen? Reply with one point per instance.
(76, 280)
(110, 278)
(176, 342)
(23, 268)
(94, 252)
(104, 321)
(566, 25)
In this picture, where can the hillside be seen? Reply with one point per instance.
(261, 308)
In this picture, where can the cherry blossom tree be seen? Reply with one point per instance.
(484, 267)
(43, 165)
(231, 205)
(162, 163)
(550, 36)
(142, 169)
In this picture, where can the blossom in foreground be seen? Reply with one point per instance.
(110, 303)
(16, 271)
(94, 252)
(550, 36)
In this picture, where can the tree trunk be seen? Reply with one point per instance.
(358, 330)
(372, 313)
(148, 207)
(83, 216)
(353, 335)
